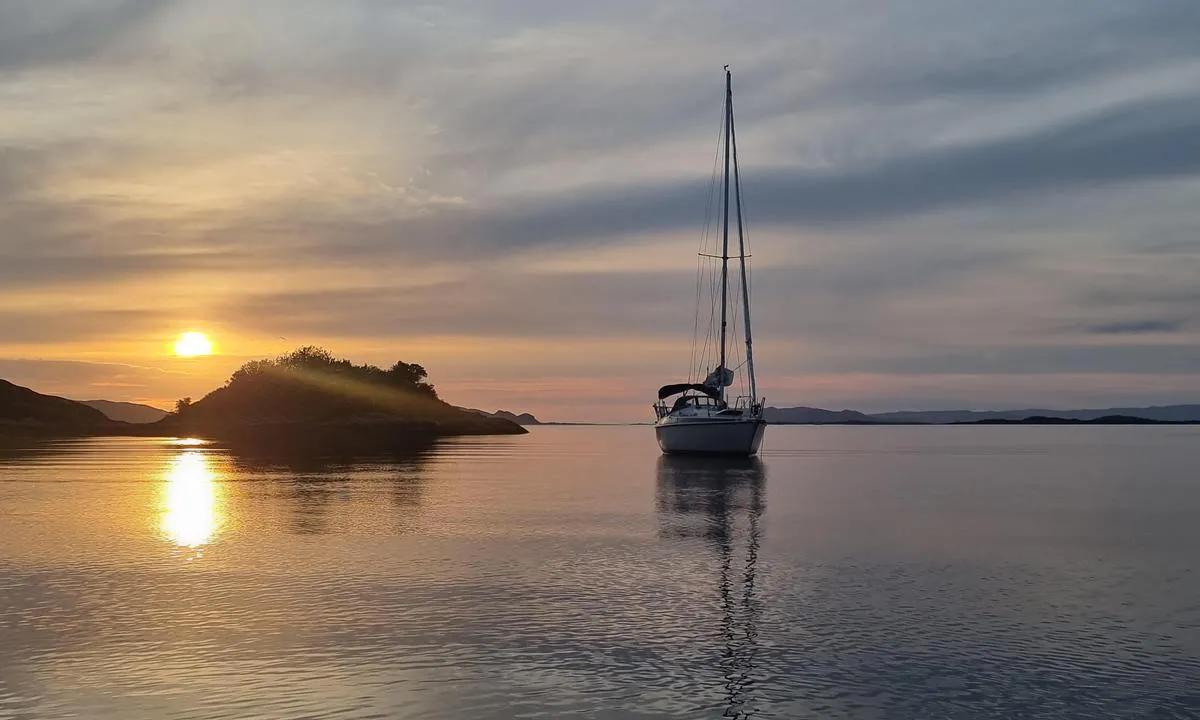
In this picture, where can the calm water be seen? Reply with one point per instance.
(853, 572)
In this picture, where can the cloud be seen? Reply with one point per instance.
(41, 326)
(1144, 142)
(1137, 326)
(1031, 49)
(52, 264)
(480, 306)
(68, 31)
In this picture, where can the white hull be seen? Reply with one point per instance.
(709, 436)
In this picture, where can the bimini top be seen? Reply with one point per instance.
(667, 391)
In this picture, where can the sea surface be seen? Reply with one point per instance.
(851, 572)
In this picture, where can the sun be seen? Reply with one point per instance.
(193, 344)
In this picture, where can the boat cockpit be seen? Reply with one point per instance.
(698, 401)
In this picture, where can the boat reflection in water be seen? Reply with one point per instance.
(190, 507)
(721, 500)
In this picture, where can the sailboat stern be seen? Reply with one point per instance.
(686, 436)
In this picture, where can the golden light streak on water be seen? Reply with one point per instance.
(191, 514)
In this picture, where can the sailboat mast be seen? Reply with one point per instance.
(737, 193)
(725, 228)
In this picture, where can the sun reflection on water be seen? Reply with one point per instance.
(190, 514)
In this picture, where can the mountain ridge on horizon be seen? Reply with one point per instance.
(130, 412)
(803, 415)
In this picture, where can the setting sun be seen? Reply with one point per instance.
(193, 344)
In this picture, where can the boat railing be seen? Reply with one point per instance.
(745, 402)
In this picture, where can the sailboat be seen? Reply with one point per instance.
(704, 417)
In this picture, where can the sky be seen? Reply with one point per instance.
(951, 203)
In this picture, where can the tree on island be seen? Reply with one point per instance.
(310, 360)
(311, 384)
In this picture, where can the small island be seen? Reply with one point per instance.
(305, 400)
(519, 418)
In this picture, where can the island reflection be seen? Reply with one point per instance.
(332, 486)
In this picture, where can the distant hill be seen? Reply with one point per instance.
(817, 416)
(25, 413)
(522, 419)
(1164, 413)
(813, 416)
(1044, 420)
(127, 411)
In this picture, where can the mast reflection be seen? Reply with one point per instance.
(190, 517)
(721, 500)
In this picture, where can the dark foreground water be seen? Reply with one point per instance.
(853, 572)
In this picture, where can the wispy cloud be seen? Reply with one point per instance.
(1133, 327)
